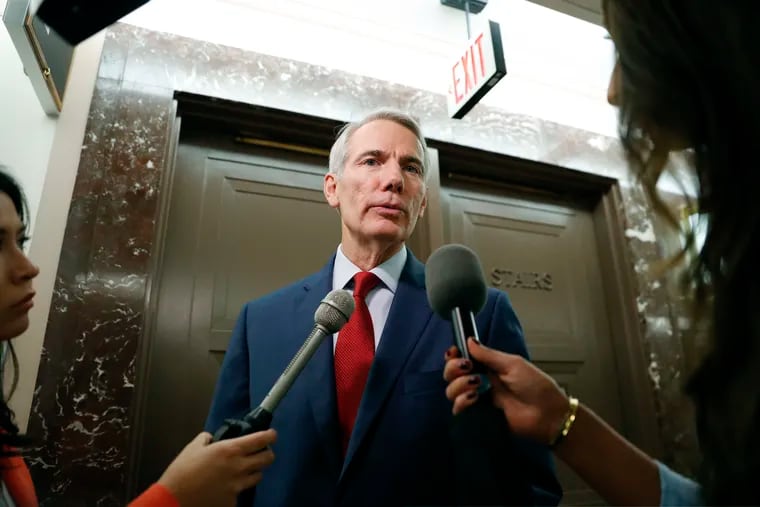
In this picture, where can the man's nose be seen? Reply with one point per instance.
(393, 177)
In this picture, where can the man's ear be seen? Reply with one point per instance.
(423, 207)
(330, 189)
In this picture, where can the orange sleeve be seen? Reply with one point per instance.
(155, 496)
(15, 475)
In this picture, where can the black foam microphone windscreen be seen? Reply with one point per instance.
(456, 290)
(454, 279)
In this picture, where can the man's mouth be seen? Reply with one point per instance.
(394, 208)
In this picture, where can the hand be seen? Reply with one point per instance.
(532, 402)
(206, 473)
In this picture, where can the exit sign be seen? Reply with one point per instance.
(475, 70)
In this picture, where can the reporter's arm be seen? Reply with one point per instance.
(536, 407)
(617, 470)
(621, 473)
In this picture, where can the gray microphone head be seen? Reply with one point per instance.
(334, 310)
(455, 279)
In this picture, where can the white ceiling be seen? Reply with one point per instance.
(587, 10)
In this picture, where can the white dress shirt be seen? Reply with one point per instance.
(380, 298)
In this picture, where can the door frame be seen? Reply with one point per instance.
(293, 131)
(150, 312)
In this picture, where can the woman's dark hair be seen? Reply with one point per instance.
(10, 439)
(690, 76)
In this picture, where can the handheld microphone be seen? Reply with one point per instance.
(487, 470)
(331, 315)
(456, 290)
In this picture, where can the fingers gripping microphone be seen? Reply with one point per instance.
(487, 470)
(331, 315)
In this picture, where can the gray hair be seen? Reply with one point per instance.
(339, 150)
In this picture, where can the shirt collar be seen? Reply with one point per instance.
(388, 272)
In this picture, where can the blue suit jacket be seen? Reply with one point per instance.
(399, 452)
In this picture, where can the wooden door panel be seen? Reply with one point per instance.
(265, 229)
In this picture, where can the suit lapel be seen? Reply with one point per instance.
(319, 372)
(407, 319)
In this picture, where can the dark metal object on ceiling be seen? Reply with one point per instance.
(76, 20)
(475, 6)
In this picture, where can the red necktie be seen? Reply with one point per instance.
(354, 353)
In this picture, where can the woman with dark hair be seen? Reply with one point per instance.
(201, 475)
(687, 76)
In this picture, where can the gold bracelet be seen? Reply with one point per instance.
(569, 420)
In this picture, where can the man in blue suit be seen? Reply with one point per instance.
(367, 421)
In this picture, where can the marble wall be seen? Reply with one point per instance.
(81, 411)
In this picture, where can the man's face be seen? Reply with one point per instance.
(381, 191)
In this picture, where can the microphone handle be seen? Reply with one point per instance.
(258, 419)
(487, 470)
(464, 327)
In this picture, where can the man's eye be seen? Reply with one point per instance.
(414, 169)
(370, 162)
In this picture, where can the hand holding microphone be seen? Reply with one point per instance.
(331, 315)
(487, 472)
(532, 402)
(224, 469)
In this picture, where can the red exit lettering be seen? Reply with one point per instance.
(469, 70)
